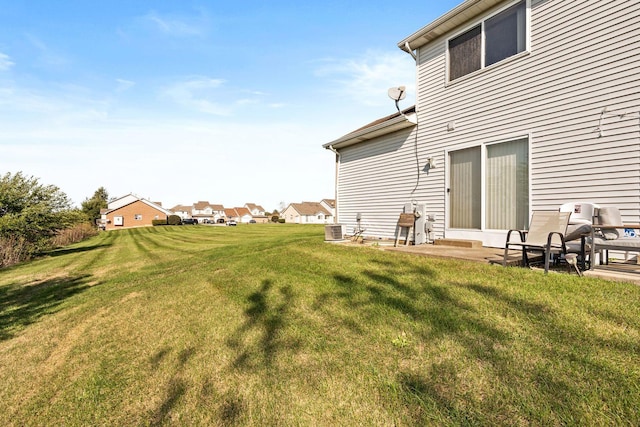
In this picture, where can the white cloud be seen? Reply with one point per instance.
(183, 26)
(199, 93)
(210, 96)
(124, 85)
(5, 62)
(47, 55)
(366, 79)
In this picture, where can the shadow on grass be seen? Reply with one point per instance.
(176, 387)
(267, 315)
(67, 251)
(22, 305)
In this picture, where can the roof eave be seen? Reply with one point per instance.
(456, 17)
(384, 128)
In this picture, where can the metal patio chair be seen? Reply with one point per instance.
(545, 234)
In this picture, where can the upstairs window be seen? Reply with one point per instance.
(497, 38)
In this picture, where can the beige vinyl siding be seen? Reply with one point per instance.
(584, 56)
(376, 180)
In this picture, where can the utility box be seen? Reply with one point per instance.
(420, 232)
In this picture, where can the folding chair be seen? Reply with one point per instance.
(546, 234)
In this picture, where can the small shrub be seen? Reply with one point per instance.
(174, 220)
(14, 249)
(155, 222)
(74, 234)
(275, 218)
(281, 220)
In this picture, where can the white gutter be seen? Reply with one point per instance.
(401, 121)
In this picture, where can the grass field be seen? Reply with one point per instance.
(268, 325)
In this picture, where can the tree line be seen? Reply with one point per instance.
(35, 218)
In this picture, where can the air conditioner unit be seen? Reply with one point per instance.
(334, 232)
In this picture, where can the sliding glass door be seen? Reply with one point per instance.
(489, 186)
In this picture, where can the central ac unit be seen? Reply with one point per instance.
(334, 232)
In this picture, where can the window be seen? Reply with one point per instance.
(137, 217)
(497, 38)
(504, 204)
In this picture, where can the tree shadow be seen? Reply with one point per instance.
(24, 304)
(176, 387)
(66, 251)
(266, 317)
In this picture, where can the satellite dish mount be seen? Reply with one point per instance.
(397, 94)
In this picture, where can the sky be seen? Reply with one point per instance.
(183, 101)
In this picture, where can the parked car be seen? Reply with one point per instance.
(253, 221)
(190, 221)
(232, 222)
(220, 220)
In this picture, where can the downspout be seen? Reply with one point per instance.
(335, 217)
(408, 49)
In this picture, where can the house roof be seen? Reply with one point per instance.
(243, 211)
(456, 17)
(201, 205)
(217, 207)
(253, 206)
(145, 201)
(329, 202)
(309, 208)
(181, 208)
(230, 212)
(391, 123)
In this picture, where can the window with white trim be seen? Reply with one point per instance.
(496, 38)
(137, 217)
(502, 169)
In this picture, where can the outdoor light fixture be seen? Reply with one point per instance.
(431, 163)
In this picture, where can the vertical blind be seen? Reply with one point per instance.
(465, 189)
(506, 198)
(507, 185)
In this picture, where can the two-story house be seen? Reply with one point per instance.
(520, 106)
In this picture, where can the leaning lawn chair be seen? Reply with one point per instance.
(545, 235)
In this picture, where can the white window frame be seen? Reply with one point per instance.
(481, 22)
(484, 234)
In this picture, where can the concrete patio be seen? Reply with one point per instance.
(618, 272)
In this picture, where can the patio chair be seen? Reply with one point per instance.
(546, 235)
(577, 231)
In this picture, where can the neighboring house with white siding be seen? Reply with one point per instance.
(520, 106)
(307, 213)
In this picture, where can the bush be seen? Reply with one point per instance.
(155, 222)
(14, 249)
(281, 220)
(74, 234)
(174, 220)
(275, 218)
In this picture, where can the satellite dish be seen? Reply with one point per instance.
(397, 93)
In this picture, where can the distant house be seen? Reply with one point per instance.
(231, 215)
(243, 215)
(330, 205)
(307, 213)
(182, 211)
(256, 210)
(132, 211)
(204, 211)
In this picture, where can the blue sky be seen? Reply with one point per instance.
(182, 101)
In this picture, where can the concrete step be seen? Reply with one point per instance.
(459, 243)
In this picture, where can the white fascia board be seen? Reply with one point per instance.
(384, 128)
(456, 17)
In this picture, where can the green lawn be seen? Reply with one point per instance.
(269, 325)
